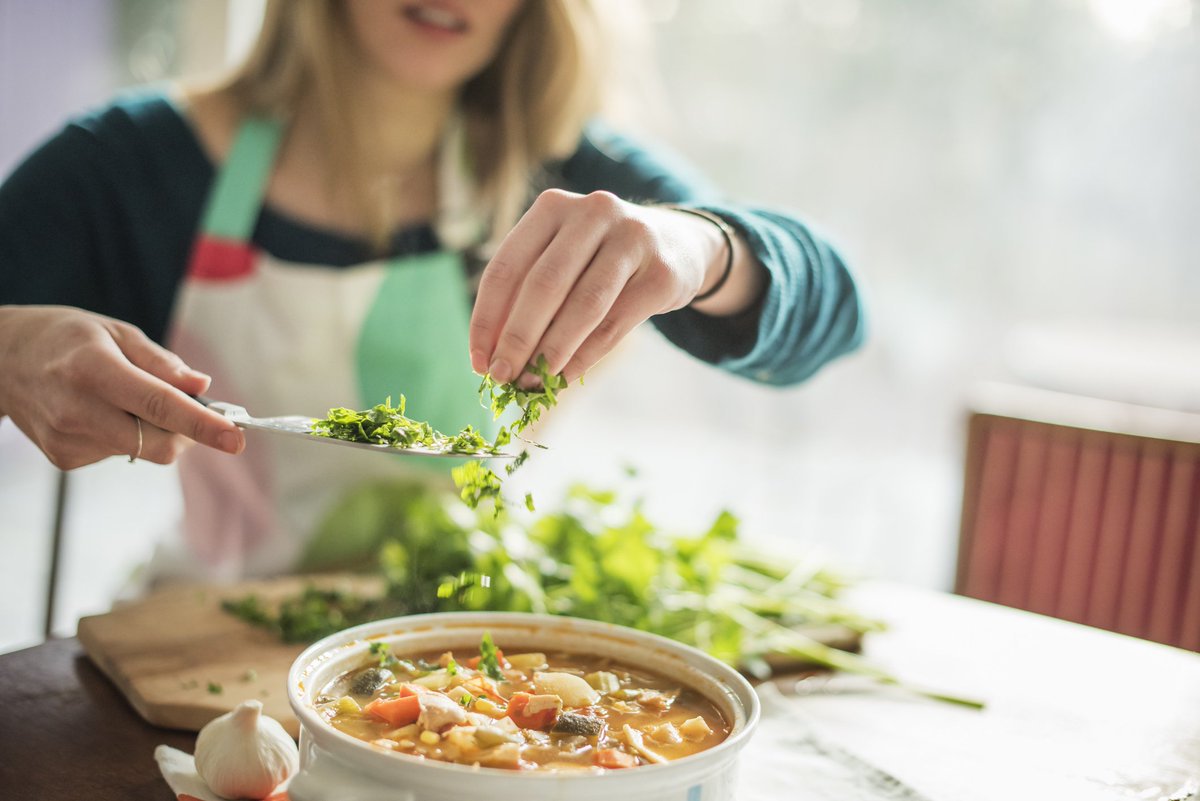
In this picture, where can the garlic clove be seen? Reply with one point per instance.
(245, 754)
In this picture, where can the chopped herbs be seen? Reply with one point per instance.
(489, 658)
(475, 483)
(599, 557)
(306, 617)
(385, 424)
(531, 402)
(383, 652)
(516, 463)
(214, 688)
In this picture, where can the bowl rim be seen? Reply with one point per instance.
(739, 692)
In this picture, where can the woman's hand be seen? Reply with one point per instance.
(74, 381)
(579, 272)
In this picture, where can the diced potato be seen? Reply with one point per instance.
(409, 732)
(430, 737)
(664, 733)
(530, 661)
(605, 683)
(347, 705)
(505, 755)
(574, 691)
(384, 743)
(437, 680)
(463, 738)
(488, 736)
(695, 729)
(507, 724)
(458, 694)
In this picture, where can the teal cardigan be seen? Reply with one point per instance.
(102, 217)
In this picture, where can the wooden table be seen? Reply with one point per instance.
(1073, 713)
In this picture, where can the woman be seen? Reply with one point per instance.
(307, 234)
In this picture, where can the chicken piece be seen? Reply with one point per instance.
(439, 713)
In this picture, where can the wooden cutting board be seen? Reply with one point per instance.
(181, 660)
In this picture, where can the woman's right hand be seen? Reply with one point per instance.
(74, 381)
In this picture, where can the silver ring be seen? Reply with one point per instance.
(135, 456)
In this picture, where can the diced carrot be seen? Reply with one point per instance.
(408, 690)
(542, 719)
(473, 662)
(615, 758)
(395, 711)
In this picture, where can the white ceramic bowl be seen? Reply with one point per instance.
(337, 767)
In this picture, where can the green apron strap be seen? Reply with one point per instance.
(236, 197)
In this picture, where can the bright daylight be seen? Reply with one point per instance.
(577, 400)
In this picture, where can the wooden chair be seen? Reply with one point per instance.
(1085, 510)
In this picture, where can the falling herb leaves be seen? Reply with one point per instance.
(477, 482)
(385, 424)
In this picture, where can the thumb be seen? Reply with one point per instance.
(148, 355)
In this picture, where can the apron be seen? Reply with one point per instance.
(287, 338)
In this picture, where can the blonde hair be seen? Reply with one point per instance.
(527, 107)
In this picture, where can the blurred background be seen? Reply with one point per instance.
(1017, 185)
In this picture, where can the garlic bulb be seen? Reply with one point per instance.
(244, 753)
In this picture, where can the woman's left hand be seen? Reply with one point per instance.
(579, 272)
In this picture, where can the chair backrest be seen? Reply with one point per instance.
(1084, 510)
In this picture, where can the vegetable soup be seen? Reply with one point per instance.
(523, 711)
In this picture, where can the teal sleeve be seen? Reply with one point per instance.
(102, 214)
(810, 311)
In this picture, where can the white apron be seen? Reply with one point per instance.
(284, 338)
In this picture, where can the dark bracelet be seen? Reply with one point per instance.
(727, 233)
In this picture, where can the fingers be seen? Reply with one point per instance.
(145, 353)
(98, 430)
(589, 302)
(157, 445)
(75, 378)
(504, 275)
(630, 309)
(541, 299)
(162, 405)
